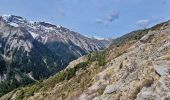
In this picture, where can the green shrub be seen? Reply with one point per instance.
(7, 86)
(81, 65)
(99, 57)
(28, 91)
(70, 73)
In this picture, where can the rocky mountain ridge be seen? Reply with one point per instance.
(56, 37)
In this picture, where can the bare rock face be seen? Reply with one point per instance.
(20, 54)
(141, 73)
(160, 90)
(145, 69)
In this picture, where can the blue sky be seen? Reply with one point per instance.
(100, 18)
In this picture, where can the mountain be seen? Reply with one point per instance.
(31, 51)
(135, 67)
(60, 40)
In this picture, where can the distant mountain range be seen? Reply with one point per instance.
(31, 51)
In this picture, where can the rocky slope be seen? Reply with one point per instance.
(31, 51)
(134, 68)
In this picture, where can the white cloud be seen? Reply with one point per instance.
(98, 38)
(143, 23)
(109, 18)
(99, 21)
(112, 16)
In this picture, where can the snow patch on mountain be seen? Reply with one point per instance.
(14, 24)
(34, 35)
(6, 17)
